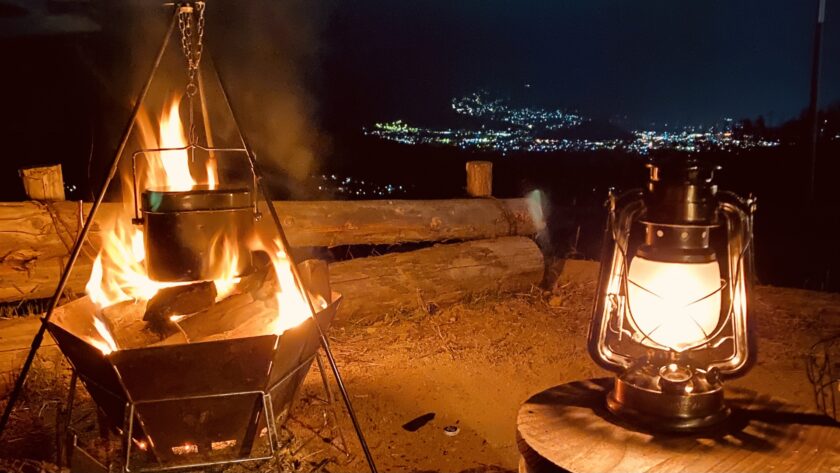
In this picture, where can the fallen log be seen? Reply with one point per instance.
(362, 222)
(178, 300)
(435, 276)
(35, 237)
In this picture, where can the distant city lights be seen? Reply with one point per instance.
(356, 188)
(482, 105)
(506, 129)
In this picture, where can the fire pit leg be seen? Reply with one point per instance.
(270, 425)
(61, 431)
(127, 435)
(257, 173)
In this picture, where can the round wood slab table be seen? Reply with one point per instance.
(568, 428)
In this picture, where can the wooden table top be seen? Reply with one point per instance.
(568, 428)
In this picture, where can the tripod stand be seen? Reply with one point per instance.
(184, 12)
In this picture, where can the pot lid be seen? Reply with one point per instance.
(197, 198)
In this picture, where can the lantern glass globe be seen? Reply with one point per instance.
(673, 305)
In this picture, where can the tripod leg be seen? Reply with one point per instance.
(331, 399)
(325, 344)
(80, 240)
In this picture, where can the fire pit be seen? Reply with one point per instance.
(196, 332)
(191, 403)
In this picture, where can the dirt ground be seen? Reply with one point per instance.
(471, 365)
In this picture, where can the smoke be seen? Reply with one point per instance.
(266, 52)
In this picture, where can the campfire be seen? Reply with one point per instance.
(191, 256)
(194, 335)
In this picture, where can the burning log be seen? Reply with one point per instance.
(435, 276)
(125, 322)
(218, 319)
(177, 301)
(251, 310)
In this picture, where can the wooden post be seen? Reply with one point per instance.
(43, 183)
(480, 178)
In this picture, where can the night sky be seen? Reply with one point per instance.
(307, 76)
(324, 70)
(654, 61)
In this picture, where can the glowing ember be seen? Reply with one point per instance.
(223, 444)
(185, 449)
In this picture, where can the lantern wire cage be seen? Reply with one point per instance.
(623, 309)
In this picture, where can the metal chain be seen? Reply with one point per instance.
(192, 52)
(192, 47)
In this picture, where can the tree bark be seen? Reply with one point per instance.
(435, 277)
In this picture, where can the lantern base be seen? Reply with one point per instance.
(655, 409)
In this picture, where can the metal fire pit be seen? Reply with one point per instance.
(197, 403)
(185, 231)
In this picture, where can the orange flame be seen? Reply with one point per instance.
(171, 169)
(212, 173)
(107, 344)
(229, 254)
(119, 273)
(292, 308)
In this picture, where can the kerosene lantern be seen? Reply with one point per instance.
(672, 314)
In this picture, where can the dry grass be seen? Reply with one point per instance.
(9, 310)
(488, 350)
(31, 430)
